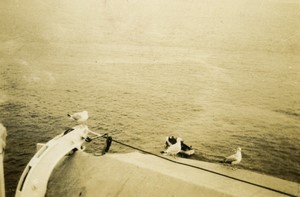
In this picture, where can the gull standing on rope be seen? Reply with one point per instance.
(235, 158)
(80, 116)
(174, 148)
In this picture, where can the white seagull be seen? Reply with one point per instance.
(80, 116)
(235, 158)
(173, 149)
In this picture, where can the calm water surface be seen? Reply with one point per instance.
(224, 79)
(214, 106)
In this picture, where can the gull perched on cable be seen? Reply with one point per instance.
(235, 158)
(173, 149)
(80, 116)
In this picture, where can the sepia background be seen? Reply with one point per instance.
(219, 74)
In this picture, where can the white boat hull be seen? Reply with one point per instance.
(34, 179)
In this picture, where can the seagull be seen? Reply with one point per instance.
(173, 149)
(170, 141)
(235, 158)
(80, 116)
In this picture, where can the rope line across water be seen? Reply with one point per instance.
(200, 168)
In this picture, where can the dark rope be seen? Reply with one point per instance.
(220, 174)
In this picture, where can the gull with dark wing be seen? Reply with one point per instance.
(174, 149)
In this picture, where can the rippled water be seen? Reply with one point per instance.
(232, 80)
(214, 106)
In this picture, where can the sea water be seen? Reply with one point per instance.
(218, 85)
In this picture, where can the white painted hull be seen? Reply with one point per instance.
(34, 179)
(137, 174)
(2, 185)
